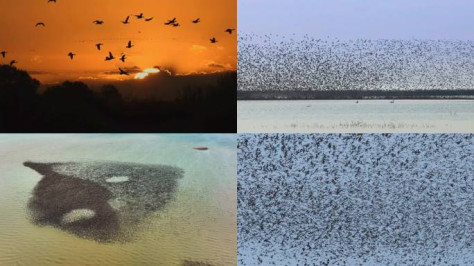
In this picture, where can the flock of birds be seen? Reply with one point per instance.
(276, 62)
(350, 199)
(172, 22)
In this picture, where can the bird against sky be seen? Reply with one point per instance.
(123, 72)
(188, 44)
(3, 53)
(229, 31)
(127, 20)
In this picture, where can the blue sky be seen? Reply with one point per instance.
(349, 19)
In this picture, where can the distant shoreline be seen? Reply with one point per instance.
(357, 95)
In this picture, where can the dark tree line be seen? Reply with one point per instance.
(353, 94)
(74, 107)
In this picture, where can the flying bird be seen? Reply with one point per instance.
(110, 57)
(123, 58)
(3, 53)
(139, 16)
(149, 19)
(13, 62)
(196, 20)
(129, 45)
(126, 21)
(99, 45)
(229, 31)
(40, 24)
(51, 1)
(71, 55)
(123, 72)
(98, 22)
(213, 40)
(171, 21)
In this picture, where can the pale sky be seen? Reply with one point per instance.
(351, 19)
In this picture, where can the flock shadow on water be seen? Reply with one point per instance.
(102, 201)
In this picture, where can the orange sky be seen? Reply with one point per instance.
(69, 28)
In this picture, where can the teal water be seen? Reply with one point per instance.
(199, 224)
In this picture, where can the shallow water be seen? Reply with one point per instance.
(198, 224)
(366, 116)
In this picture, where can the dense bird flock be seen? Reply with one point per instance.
(350, 199)
(172, 22)
(273, 62)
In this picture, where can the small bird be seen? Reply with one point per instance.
(139, 16)
(123, 58)
(98, 22)
(213, 40)
(123, 72)
(196, 20)
(51, 1)
(126, 21)
(171, 21)
(71, 55)
(99, 45)
(3, 53)
(176, 25)
(149, 19)
(110, 57)
(229, 31)
(13, 62)
(40, 24)
(129, 45)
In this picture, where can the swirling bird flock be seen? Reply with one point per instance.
(351, 199)
(172, 22)
(285, 63)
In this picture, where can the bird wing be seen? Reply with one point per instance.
(110, 55)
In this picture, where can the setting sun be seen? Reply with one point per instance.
(145, 73)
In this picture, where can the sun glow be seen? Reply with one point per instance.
(146, 72)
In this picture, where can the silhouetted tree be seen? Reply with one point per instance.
(18, 99)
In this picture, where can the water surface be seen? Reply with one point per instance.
(196, 224)
(363, 116)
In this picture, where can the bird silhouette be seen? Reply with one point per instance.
(171, 21)
(197, 20)
(123, 72)
(110, 57)
(149, 19)
(129, 45)
(213, 40)
(176, 25)
(99, 45)
(126, 21)
(51, 1)
(98, 22)
(40, 24)
(71, 55)
(13, 62)
(139, 16)
(123, 58)
(3, 53)
(229, 31)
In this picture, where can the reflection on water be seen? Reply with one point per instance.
(364, 116)
(122, 199)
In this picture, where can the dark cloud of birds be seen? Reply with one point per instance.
(273, 62)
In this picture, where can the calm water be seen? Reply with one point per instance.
(198, 225)
(366, 116)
